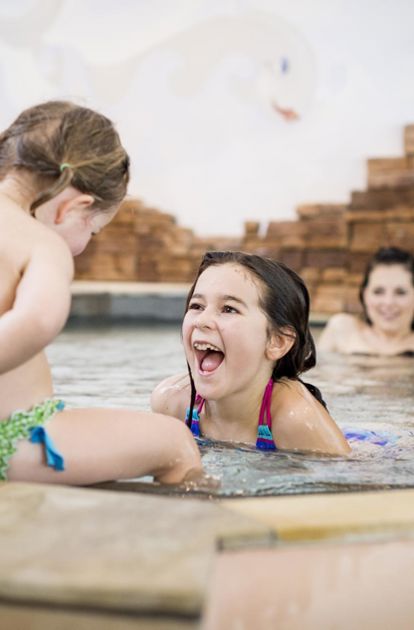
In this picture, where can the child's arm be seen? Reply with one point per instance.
(41, 304)
(301, 423)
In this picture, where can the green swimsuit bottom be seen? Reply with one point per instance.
(28, 425)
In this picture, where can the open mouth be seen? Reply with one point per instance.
(209, 357)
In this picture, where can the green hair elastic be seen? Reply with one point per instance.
(64, 165)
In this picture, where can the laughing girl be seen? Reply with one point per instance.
(247, 340)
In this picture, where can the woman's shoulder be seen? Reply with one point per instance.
(339, 327)
(341, 321)
(172, 396)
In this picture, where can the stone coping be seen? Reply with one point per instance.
(95, 549)
(114, 551)
(320, 516)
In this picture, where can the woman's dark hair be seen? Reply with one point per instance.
(386, 256)
(63, 144)
(284, 300)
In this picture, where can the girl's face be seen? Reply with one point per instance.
(79, 228)
(225, 332)
(70, 214)
(389, 298)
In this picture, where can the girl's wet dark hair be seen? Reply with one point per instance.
(386, 256)
(284, 299)
(60, 144)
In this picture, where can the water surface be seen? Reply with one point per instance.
(118, 366)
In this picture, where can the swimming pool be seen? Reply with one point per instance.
(118, 365)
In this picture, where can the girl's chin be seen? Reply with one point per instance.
(204, 383)
(206, 388)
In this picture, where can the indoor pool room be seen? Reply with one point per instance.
(206, 315)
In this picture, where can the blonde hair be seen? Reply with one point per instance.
(63, 144)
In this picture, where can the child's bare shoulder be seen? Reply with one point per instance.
(29, 254)
(292, 398)
(302, 423)
(172, 396)
(49, 244)
(25, 240)
(289, 389)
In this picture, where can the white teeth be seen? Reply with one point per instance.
(205, 346)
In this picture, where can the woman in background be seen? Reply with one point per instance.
(387, 298)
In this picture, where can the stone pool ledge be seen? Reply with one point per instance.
(313, 517)
(91, 553)
(136, 301)
(107, 560)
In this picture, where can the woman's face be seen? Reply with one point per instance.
(225, 332)
(389, 298)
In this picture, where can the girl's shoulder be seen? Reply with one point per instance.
(301, 422)
(291, 390)
(172, 396)
(292, 401)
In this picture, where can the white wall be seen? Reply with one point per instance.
(190, 84)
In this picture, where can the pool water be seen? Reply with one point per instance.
(118, 365)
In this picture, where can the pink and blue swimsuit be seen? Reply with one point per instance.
(264, 440)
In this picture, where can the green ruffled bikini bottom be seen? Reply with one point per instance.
(28, 425)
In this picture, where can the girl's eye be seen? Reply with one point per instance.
(401, 292)
(229, 309)
(194, 306)
(378, 291)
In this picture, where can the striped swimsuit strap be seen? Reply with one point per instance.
(265, 441)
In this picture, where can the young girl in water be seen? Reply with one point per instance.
(63, 174)
(246, 339)
(387, 298)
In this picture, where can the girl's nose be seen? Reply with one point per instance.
(204, 319)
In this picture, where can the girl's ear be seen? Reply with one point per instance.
(280, 343)
(77, 203)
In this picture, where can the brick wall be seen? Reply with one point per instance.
(328, 244)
